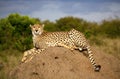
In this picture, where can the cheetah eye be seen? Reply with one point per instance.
(33, 26)
(39, 26)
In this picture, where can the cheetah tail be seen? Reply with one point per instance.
(92, 60)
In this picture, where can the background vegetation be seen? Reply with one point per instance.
(16, 36)
(15, 32)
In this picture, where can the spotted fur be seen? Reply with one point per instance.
(29, 54)
(80, 41)
(72, 39)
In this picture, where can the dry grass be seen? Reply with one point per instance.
(8, 60)
(111, 46)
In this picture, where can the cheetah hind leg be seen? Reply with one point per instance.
(68, 47)
(84, 51)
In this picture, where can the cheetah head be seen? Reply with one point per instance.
(37, 29)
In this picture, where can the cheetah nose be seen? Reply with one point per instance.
(36, 30)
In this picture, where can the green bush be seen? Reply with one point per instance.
(111, 28)
(67, 23)
(15, 32)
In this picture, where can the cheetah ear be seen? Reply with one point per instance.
(30, 25)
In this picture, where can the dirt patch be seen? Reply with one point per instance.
(62, 63)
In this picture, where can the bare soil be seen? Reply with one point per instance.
(62, 63)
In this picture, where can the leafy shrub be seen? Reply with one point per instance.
(111, 28)
(15, 32)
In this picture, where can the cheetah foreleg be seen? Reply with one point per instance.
(28, 55)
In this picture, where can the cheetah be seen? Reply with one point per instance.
(72, 39)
